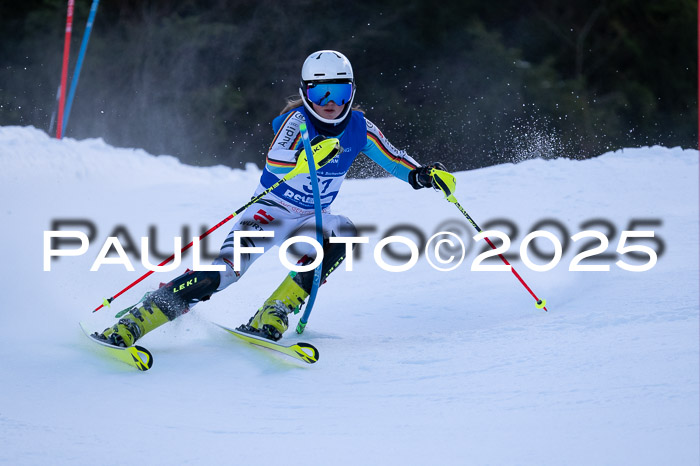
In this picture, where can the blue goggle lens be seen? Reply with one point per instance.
(322, 93)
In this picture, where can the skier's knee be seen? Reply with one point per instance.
(228, 276)
(342, 226)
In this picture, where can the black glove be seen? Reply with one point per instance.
(420, 177)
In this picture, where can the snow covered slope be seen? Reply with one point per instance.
(419, 367)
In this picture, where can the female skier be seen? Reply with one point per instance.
(326, 95)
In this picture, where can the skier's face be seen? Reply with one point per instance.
(329, 111)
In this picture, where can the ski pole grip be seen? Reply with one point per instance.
(446, 182)
(330, 145)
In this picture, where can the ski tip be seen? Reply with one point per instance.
(307, 352)
(143, 359)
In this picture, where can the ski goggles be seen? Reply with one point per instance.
(322, 93)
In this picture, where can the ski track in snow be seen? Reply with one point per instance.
(420, 367)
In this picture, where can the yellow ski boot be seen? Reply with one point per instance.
(271, 319)
(167, 303)
(140, 320)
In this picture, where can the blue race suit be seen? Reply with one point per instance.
(360, 135)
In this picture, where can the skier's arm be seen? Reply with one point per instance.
(380, 150)
(281, 157)
(396, 162)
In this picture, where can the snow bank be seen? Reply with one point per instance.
(421, 367)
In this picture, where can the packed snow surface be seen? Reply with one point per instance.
(418, 367)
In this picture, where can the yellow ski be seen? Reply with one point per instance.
(136, 356)
(301, 351)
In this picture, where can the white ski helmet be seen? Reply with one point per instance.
(327, 75)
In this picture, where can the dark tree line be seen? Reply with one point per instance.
(468, 82)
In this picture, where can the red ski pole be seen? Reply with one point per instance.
(108, 301)
(64, 70)
(302, 166)
(446, 182)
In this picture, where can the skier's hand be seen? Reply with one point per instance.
(420, 177)
(324, 151)
(316, 140)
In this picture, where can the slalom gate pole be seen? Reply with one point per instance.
(64, 70)
(302, 166)
(446, 182)
(301, 325)
(79, 63)
(55, 110)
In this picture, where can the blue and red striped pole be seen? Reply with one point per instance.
(64, 70)
(79, 63)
